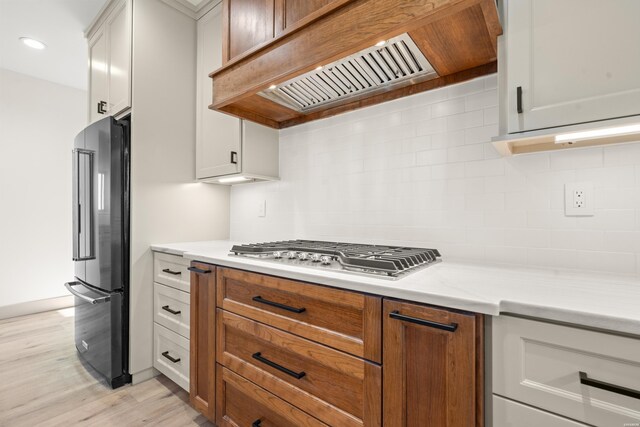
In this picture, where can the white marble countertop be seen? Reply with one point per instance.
(599, 301)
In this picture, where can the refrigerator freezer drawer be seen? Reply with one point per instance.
(98, 335)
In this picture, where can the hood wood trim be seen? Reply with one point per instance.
(454, 35)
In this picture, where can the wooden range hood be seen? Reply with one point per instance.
(457, 37)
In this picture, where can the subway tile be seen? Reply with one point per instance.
(468, 87)
(468, 120)
(527, 237)
(431, 157)
(480, 100)
(482, 134)
(448, 108)
(484, 168)
(448, 139)
(448, 171)
(465, 153)
(623, 154)
(491, 81)
(576, 159)
(490, 115)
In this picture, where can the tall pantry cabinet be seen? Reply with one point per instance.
(143, 63)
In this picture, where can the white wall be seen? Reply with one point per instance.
(38, 123)
(421, 171)
(166, 204)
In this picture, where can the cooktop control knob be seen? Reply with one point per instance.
(292, 255)
(303, 256)
(315, 257)
(325, 260)
(277, 254)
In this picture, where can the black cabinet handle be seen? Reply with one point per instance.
(278, 305)
(396, 315)
(198, 270)
(168, 271)
(297, 375)
(234, 157)
(584, 379)
(166, 308)
(519, 99)
(102, 107)
(256, 423)
(166, 354)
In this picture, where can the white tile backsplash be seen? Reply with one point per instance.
(422, 171)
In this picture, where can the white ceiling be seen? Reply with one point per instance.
(60, 24)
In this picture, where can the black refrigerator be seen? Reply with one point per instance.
(101, 247)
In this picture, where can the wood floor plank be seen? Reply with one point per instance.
(45, 383)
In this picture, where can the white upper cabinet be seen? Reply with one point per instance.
(573, 61)
(98, 89)
(118, 27)
(218, 135)
(110, 61)
(227, 147)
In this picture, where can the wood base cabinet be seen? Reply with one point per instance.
(203, 338)
(433, 367)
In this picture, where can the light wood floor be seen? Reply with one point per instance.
(43, 383)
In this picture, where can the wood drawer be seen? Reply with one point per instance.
(171, 270)
(241, 403)
(168, 345)
(539, 364)
(171, 309)
(348, 321)
(507, 413)
(335, 387)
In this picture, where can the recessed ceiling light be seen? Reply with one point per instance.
(36, 44)
(319, 67)
(381, 43)
(272, 87)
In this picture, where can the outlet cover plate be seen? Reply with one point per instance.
(578, 199)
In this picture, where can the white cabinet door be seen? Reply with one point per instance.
(575, 61)
(118, 29)
(218, 135)
(98, 92)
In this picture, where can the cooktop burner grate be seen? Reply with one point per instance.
(387, 261)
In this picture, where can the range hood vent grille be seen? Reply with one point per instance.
(370, 70)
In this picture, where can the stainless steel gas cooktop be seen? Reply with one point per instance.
(384, 261)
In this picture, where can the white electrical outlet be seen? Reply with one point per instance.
(578, 199)
(262, 208)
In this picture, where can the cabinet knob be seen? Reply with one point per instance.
(102, 107)
(234, 157)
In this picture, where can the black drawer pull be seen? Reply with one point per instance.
(519, 99)
(166, 308)
(168, 271)
(396, 315)
(584, 379)
(297, 375)
(166, 354)
(256, 423)
(278, 305)
(234, 158)
(198, 270)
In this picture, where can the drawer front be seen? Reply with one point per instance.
(540, 364)
(171, 355)
(336, 388)
(507, 413)
(171, 309)
(171, 270)
(348, 321)
(241, 403)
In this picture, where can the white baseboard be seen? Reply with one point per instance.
(32, 307)
(141, 376)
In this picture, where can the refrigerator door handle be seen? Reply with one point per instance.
(83, 204)
(70, 285)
